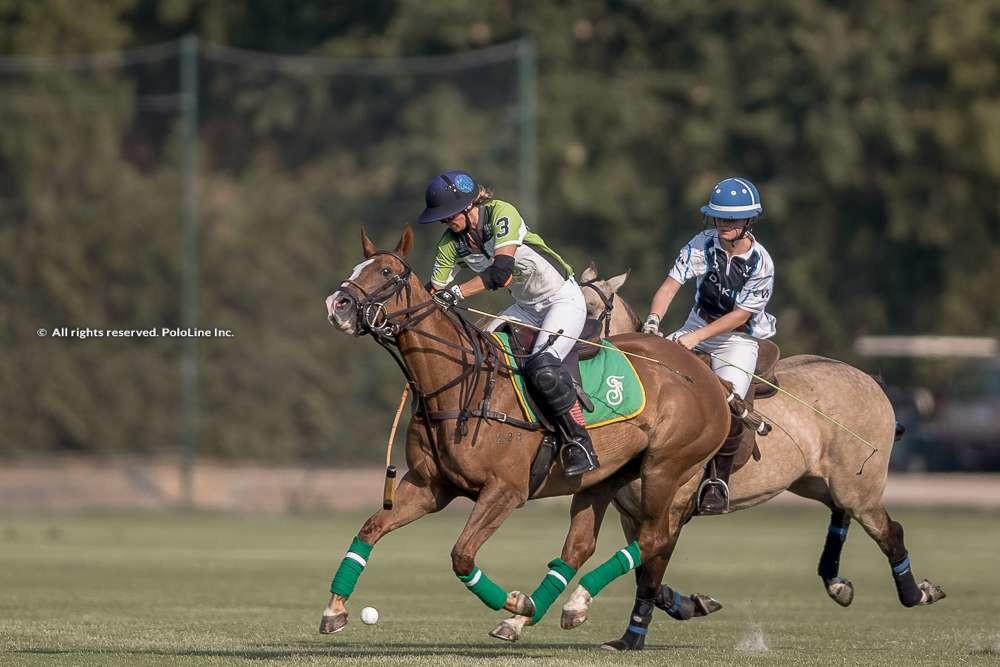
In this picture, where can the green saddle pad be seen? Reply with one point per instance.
(609, 380)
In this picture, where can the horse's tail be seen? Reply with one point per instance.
(900, 427)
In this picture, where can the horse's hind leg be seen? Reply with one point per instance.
(839, 589)
(888, 534)
(657, 537)
(649, 591)
(587, 513)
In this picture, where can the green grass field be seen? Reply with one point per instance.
(223, 589)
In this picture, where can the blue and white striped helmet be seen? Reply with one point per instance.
(733, 199)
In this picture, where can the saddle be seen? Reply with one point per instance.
(768, 354)
(522, 340)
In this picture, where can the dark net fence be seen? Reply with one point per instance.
(293, 157)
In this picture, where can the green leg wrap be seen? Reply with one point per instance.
(483, 588)
(350, 569)
(624, 560)
(556, 579)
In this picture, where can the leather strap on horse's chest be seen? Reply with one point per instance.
(492, 415)
(544, 457)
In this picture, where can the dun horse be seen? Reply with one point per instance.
(452, 450)
(804, 454)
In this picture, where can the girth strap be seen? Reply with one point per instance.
(493, 415)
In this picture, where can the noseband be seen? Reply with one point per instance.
(372, 317)
(385, 328)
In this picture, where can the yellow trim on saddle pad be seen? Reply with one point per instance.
(602, 407)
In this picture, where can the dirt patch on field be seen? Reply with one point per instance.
(79, 484)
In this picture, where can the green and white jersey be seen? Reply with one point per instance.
(538, 271)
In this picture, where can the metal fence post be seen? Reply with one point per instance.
(528, 92)
(189, 260)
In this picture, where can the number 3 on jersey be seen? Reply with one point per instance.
(503, 227)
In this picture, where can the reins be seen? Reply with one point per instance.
(384, 326)
(608, 306)
(689, 379)
(591, 343)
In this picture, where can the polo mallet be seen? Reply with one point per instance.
(389, 490)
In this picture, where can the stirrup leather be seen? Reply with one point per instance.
(718, 483)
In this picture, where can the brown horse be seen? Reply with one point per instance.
(451, 450)
(804, 454)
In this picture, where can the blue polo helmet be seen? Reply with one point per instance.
(733, 199)
(447, 194)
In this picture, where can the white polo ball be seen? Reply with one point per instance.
(369, 615)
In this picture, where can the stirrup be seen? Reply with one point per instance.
(723, 489)
(591, 464)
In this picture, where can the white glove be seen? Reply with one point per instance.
(652, 325)
(448, 297)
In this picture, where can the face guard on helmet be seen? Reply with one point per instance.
(447, 195)
(734, 199)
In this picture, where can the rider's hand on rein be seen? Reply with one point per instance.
(652, 325)
(448, 297)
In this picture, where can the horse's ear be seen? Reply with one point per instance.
(615, 284)
(405, 242)
(366, 244)
(589, 273)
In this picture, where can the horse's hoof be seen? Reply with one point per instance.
(840, 591)
(520, 604)
(624, 644)
(508, 630)
(572, 619)
(574, 612)
(931, 592)
(705, 604)
(334, 623)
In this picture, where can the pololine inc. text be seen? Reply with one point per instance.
(162, 332)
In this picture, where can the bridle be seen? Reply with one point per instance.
(609, 305)
(385, 327)
(371, 315)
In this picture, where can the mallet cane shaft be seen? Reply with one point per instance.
(389, 490)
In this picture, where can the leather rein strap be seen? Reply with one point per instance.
(385, 327)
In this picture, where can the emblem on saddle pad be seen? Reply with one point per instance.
(615, 394)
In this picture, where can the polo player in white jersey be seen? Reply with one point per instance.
(735, 280)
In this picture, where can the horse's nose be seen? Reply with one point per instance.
(344, 303)
(339, 304)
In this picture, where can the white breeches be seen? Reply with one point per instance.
(733, 353)
(566, 310)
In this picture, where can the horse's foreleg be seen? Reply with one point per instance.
(492, 507)
(839, 589)
(888, 534)
(415, 497)
(586, 512)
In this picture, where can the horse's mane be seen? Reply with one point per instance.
(636, 322)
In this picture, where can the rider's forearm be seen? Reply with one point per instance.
(472, 286)
(663, 297)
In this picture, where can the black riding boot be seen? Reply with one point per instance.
(555, 394)
(577, 453)
(714, 491)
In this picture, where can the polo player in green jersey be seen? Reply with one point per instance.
(489, 237)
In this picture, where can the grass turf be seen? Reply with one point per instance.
(114, 589)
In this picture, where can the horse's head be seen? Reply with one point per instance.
(378, 287)
(601, 299)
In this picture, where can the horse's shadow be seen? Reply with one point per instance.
(352, 650)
